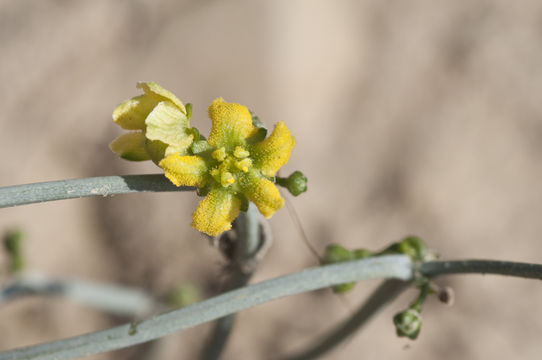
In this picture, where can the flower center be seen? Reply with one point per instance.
(230, 165)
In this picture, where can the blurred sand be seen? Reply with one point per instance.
(419, 117)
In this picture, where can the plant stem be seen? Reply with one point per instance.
(77, 188)
(117, 300)
(384, 294)
(248, 241)
(391, 288)
(509, 268)
(393, 266)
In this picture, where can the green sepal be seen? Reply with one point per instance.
(201, 146)
(203, 191)
(258, 136)
(194, 132)
(256, 120)
(261, 132)
(188, 108)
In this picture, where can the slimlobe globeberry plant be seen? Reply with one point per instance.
(235, 165)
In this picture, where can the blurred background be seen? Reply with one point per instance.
(419, 117)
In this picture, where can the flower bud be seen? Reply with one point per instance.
(13, 244)
(335, 254)
(414, 247)
(296, 183)
(408, 323)
(362, 254)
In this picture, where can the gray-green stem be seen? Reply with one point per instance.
(248, 241)
(77, 188)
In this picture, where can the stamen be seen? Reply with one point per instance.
(243, 165)
(240, 153)
(226, 179)
(219, 154)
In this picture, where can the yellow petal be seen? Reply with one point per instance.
(131, 114)
(273, 152)
(168, 124)
(232, 124)
(130, 146)
(152, 88)
(184, 170)
(263, 193)
(215, 213)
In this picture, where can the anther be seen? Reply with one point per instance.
(226, 179)
(219, 154)
(240, 153)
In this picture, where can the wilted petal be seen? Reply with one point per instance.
(130, 146)
(215, 213)
(153, 89)
(232, 124)
(131, 114)
(169, 124)
(273, 152)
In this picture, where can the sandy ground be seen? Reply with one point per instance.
(419, 117)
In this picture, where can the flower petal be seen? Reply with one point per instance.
(232, 124)
(262, 192)
(215, 213)
(273, 152)
(185, 170)
(131, 114)
(130, 146)
(169, 124)
(156, 150)
(153, 89)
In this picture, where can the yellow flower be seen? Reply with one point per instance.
(160, 122)
(233, 166)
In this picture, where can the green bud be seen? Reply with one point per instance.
(342, 288)
(13, 240)
(188, 108)
(183, 295)
(362, 254)
(335, 254)
(408, 323)
(414, 247)
(296, 183)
